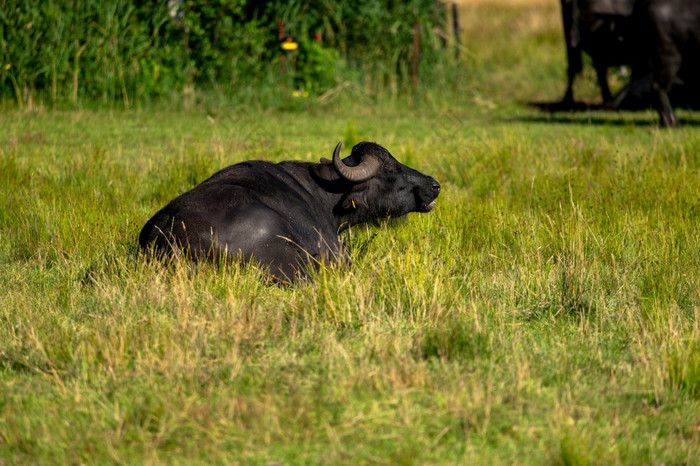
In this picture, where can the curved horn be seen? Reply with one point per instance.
(363, 172)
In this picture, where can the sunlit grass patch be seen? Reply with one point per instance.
(684, 368)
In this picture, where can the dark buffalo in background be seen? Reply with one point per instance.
(669, 32)
(658, 39)
(286, 216)
(599, 28)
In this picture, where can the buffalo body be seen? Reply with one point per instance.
(287, 215)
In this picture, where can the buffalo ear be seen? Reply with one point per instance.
(325, 171)
(354, 200)
(326, 161)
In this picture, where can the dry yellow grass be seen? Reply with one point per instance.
(484, 17)
(506, 2)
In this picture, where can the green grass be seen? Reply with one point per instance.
(546, 312)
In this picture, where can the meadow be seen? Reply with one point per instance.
(546, 312)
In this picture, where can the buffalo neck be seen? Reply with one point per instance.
(323, 188)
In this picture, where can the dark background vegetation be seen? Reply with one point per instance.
(133, 52)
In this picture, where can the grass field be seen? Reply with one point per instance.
(546, 312)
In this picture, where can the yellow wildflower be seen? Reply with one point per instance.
(289, 44)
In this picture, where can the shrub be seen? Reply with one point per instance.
(134, 50)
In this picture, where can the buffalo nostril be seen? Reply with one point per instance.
(436, 187)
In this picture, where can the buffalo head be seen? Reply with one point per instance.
(379, 185)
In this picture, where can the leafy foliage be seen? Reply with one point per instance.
(134, 50)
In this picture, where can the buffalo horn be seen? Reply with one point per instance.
(363, 172)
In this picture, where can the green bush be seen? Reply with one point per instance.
(131, 51)
(373, 37)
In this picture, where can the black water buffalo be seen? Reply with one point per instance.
(285, 216)
(600, 28)
(669, 33)
(658, 39)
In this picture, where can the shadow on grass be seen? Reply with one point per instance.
(560, 106)
(594, 114)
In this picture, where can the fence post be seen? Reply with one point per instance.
(416, 53)
(455, 28)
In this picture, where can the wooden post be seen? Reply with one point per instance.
(76, 68)
(455, 27)
(281, 36)
(416, 53)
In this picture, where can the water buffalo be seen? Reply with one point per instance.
(286, 216)
(600, 28)
(659, 39)
(669, 32)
